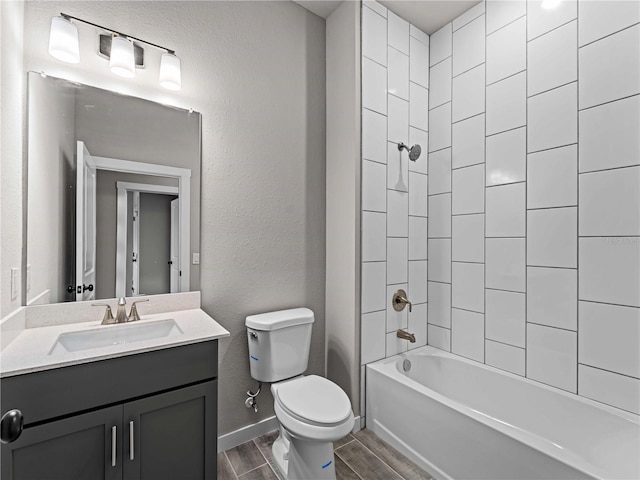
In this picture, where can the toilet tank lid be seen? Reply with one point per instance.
(279, 319)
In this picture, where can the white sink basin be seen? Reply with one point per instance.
(115, 335)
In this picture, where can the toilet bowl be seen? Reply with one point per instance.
(313, 412)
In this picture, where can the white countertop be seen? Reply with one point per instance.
(32, 349)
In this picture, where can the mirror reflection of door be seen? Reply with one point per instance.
(86, 190)
(145, 234)
(151, 259)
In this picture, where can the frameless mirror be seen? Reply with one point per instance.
(113, 194)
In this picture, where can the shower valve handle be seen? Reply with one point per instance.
(399, 301)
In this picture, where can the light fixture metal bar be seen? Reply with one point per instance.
(68, 17)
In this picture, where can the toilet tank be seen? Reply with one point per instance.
(279, 344)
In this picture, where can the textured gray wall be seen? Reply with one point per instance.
(256, 72)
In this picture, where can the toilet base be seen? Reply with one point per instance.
(299, 459)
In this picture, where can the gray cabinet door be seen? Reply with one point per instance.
(78, 448)
(174, 435)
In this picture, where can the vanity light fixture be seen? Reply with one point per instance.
(121, 60)
(63, 40)
(124, 55)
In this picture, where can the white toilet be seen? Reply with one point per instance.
(313, 412)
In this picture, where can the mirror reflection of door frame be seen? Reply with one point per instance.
(184, 188)
(123, 189)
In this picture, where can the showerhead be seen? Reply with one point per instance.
(414, 152)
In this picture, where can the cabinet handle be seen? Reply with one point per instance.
(113, 446)
(131, 446)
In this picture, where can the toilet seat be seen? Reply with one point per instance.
(313, 408)
(314, 400)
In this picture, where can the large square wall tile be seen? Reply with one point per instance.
(610, 203)
(440, 260)
(506, 210)
(467, 238)
(467, 334)
(374, 285)
(552, 237)
(553, 59)
(468, 190)
(609, 338)
(507, 51)
(467, 283)
(507, 104)
(505, 317)
(552, 179)
(507, 157)
(439, 304)
(552, 297)
(374, 36)
(505, 264)
(610, 270)
(609, 69)
(609, 135)
(552, 356)
(552, 118)
(468, 142)
(468, 46)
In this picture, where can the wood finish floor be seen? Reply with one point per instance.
(362, 456)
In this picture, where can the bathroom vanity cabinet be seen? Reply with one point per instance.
(148, 415)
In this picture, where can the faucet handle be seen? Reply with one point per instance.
(108, 314)
(133, 313)
(399, 301)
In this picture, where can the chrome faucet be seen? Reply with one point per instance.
(121, 312)
(406, 335)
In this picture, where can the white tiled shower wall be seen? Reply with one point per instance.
(534, 194)
(395, 106)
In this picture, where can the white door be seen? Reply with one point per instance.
(85, 225)
(174, 275)
(135, 253)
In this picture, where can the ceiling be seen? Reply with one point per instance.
(427, 15)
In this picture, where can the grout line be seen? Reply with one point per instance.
(453, 77)
(553, 326)
(375, 61)
(466, 310)
(606, 303)
(609, 371)
(504, 78)
(607, 103)
(230, 464)
(552, 148)
(504, 343)
(470, 116)
(558, 87)
(503, 290)
(505, 25)
(556, 207)
(506, 131)
(606, 36)
(376, 456)
(510, 183)
(465, 24)
(557, 28)
(445, 58)
(451, 199)
(609, 169)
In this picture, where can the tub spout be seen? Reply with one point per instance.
(406, 335)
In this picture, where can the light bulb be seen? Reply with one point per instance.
(170, 77)
(63, 40)
(122, 61)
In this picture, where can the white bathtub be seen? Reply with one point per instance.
(460, 419)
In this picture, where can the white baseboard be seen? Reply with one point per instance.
(244, 434)
(358, 424)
